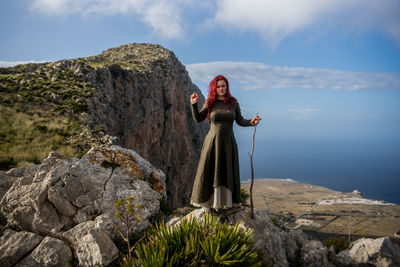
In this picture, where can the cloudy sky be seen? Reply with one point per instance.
(312, 69)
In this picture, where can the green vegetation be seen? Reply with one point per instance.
(54, 87)
(41, 109)
(244, 196)
(127, 212)
(197, 243)
(139, 57)
(29, 137)
(338, 243)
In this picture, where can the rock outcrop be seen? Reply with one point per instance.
(371, 252)
(66, 207)
(149, 111)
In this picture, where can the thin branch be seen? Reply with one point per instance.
(252, 172)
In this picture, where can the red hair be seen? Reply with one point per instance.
(212, 94)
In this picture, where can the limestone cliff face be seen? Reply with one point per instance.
(148, 109)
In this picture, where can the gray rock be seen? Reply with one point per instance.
(96, 249)
(69, 198)
(51, 252)
(6, 182)
(61, 203)
(65, 192)
(377, 252)
(79, 231)
(16, 245)
(314, 253)
(26, 170)
(26, 205)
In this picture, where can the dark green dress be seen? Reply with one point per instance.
(217, 181)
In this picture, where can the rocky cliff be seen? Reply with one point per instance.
(137, 93)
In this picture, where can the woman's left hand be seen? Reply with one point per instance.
(255, 120)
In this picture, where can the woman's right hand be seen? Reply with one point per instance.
(193, 98)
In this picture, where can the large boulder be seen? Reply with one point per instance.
(367, 251)
(72, 200)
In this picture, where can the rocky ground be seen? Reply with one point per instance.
(66, 212)
(324, 212)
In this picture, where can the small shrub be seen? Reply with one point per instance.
(274, 220)
(129, 214)
(98, 128)
(82, 153)
(244, 196)
(41, 128)
(338, 243)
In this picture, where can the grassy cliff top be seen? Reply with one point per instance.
(129, 56)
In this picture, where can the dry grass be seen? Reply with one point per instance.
(28, 138)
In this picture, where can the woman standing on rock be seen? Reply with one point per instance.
(217, 182)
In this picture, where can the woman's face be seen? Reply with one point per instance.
(221, 88)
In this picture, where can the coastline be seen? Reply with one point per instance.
(354, 197)
(317, 208)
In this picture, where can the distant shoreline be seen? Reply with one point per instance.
(359, 199)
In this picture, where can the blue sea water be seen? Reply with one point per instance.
(371, 167)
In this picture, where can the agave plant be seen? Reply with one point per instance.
(206, 242)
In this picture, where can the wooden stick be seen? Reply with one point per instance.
(252, 172)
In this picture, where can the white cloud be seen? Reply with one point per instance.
(251, 75)
(164, 17)
(274, 20)
(6, 64)
(106, 7)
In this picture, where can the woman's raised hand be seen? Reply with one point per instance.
(194, 97)
(255, 120)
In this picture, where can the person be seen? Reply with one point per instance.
(217, 180)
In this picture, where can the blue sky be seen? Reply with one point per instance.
(314, 70)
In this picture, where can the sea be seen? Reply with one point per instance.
(371, 167)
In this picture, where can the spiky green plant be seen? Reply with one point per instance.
(206, 242)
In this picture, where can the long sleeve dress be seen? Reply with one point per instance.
(217, 181)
